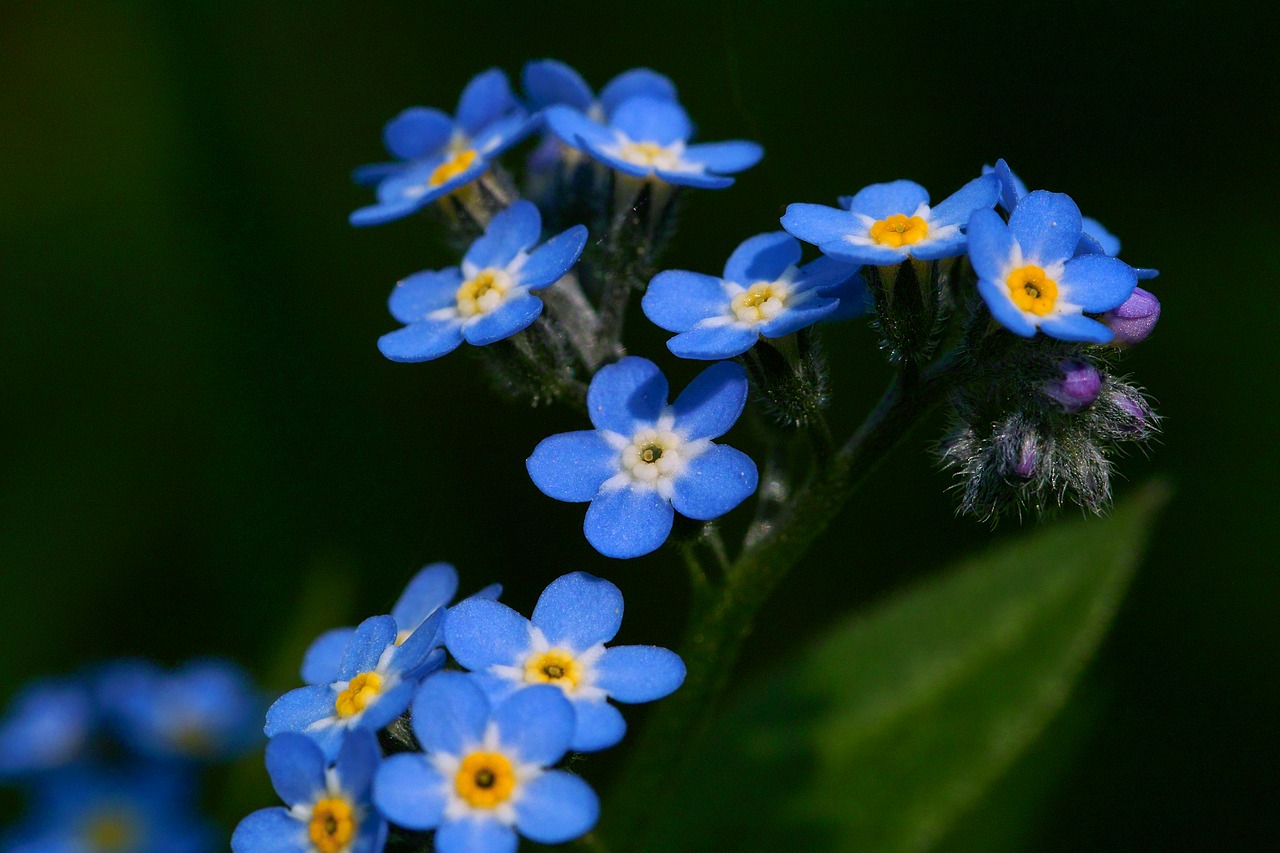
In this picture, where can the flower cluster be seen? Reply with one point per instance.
(386, 736)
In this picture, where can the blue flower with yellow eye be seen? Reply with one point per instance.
(437, 154)
(885, 224)
(646, 460)
(1031, 278)
(329, 807)
(763, 293)
(485, 777)
(47, 725)
(648, 137)
(490, 297)
(374, 684)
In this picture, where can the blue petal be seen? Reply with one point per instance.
(383, 212)
(1109, 242)
(1012, 189)
(794, 319)
(547, 81)
(647, 119)
(714, 483)
(712, 342)
(626, 395)
(423, 341)
(514, 315)
(991, 245)
(599, 726)
(1145, 274)
(265, 831)
(536, 724)
(504, 133)
(298, 709)
(553, 258)
(486, 98)
(763, 257)
(509, 233)
(996, 295)
(713, 401)
(934, 250)
(725, 158)
(357, 761)
(866, 255)
(296, 767)
(883, 200)
(829, 276)
(635, 83)
(475, 835)
(431, 588)
(1046, 226)
(412, 658)
(639, 673)
(1076, 327)
(371, 639)
(1097, 283)
(372, 174)
(1088, 246)
(700, 180)
(979, 194)
(677, 300)
(323, 658)
(383, 710)
(408, 791)
(417, 132)
(628, 522)
(417, 295)
(579, 610)
(450, 713)
(817, 223)
(575, 129)
(572, 466)
(556, 807)
(480, 633)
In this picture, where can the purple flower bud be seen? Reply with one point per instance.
(1137, 410)
(1028, 456)
(1077, 387)
(1134, 320)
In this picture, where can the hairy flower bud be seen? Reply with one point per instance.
(1077, 387)
(1133, 321)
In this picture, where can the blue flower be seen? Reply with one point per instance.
(647, 137)
(1031, 278)
(884, 224)
(563, 645)
(762, 293)
(485, 773)
(47, 726)
(374, 684)
(646, 460)
(547, 82)
(329, 811)
(490, 297)
(438, 154)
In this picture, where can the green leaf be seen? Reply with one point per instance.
(880, 736)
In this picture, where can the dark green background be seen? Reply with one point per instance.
(199, 433)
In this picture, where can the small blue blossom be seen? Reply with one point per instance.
(47, 725)
(564, 645)
(1031, 278)
(548, 82)
(490, 297)
(648, 137)
(485, 773)
(885, 224)
(330, 809)
(374, 684)
(645, 459)
(438, 154)
(761, 294)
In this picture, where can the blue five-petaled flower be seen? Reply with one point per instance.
(1031, 278)
(645, 459)
(564, 645)
(490, 297)
(761, 294)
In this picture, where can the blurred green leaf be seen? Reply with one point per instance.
(891, 727)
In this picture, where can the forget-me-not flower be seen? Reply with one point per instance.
(885, 224)
(564, 645)
(1031, 278)
(646, 460)
(485, 775)
(761, 294)
(548, 82)
(47, 725)
(490, 297)
(438, 154)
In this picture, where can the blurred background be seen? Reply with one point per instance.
(204, 453)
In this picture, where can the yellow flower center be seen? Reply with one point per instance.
(458, 163)
(485, 779)
(762, 301)
(111, 833)
(333, 825)
(557, 666)
(360, 694)
(899, 230)
(642, 153)
(483, 293)
(1032, 290)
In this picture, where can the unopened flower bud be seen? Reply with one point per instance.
(1133, 321)
(1028, 456)
(1076, 388)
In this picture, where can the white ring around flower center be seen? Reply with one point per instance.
(654, 457)
(760, 302)
(483, 292)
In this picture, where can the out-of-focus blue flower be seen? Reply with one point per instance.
(208, 709)
(485, 777)
(646, 460)
(1031, 278)
(761, 294)
(47, 725)
(885, 224)
(490, 297)
(548, 82)
(648, 137)
(1133, 321)
(375, 683)
(564, 645)
(330, 809)
(437, 154)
